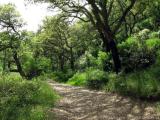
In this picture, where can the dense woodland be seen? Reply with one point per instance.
(111, 45)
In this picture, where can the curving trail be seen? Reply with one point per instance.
(81, 104)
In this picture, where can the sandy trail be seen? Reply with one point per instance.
(81, 104)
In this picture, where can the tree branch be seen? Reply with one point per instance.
(124, 14)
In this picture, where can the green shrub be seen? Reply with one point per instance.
(91, 78)
(96, 79)
(154, 35)
(143, 35)
(146, 23)
(141, 84)
(103, 61)
(78, 79)
(58, 76)
(137, 55)
(153, 43)
(24, 100)
(63, 76)
(131, 42)
(35, 66)
(86, 60)
(47, 76)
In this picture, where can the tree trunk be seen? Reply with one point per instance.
(52, 63)
(61, 60)
(115, 56)
(62, 64)
(112, 47)
(18, 64)
(72, 59)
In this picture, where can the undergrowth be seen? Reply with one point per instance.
(24, 100)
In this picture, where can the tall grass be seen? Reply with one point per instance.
(141, 84)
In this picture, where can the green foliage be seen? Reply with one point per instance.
(143, 35)
(129, 43)
(9, 14)
(141, 84)
(96, 79)
(99, 61)
(35, 66)
(146, 23)
(155, 35)
(153, 44)
(24, 100)
(60, 76)
(59, 46)
(86, 60)
(78, 79)
(137, 53)
(91, 78)
(103, 61)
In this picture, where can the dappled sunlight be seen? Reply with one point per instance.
(111, 45)
(82, 104)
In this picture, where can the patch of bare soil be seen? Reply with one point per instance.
(81, 104)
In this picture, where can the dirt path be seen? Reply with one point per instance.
(81, 104)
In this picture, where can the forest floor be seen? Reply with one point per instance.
(78, 103)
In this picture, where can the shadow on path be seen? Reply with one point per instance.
(81, 104)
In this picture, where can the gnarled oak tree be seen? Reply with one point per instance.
(103, 16)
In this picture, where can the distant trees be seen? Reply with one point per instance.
(64, 43)
(10, 22)
(107, 16)
(115, 20)
(54, 39)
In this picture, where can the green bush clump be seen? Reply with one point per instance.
(57, 76)
(103, 61)
(86, 60)
(154, 35)
(63, 77)
(137, 54)
(78, 79)
(47, 76)
(24, 100)
(96, 79)
(144, 84)
(143, 34)
(153, 43)
(33, 67)
(99, 61)
(91, 78)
